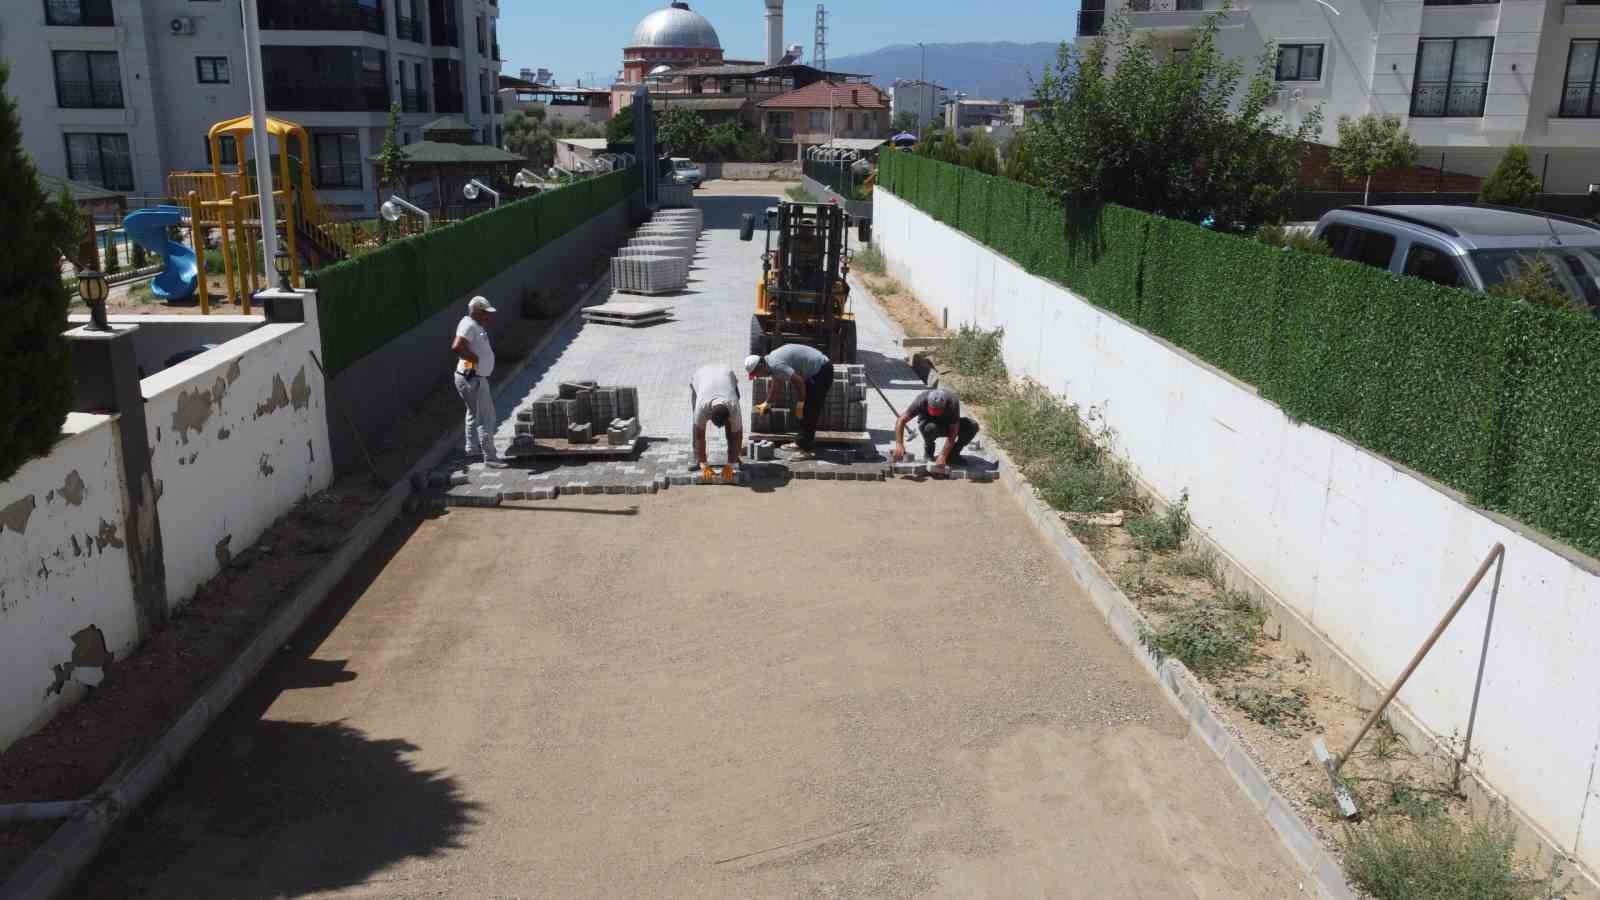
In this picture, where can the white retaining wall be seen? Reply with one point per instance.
(1369, 553)
(63, 573)
(239, 435)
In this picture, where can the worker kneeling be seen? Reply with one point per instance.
(810, 375)
(938, 414)
(714, 400)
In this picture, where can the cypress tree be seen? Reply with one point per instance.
(35, 369)
(1512, 183)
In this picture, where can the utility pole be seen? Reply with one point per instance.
(820, 54)
(262, 142)
(924, 96)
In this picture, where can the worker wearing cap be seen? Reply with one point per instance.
(474, 365)
(938, 414)
(714, 400)
(809, 373)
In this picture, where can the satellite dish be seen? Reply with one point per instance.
(389, 211)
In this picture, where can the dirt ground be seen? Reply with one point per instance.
(904, 308)
(717, 692)
(144, 694)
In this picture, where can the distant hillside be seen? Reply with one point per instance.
(985, 71)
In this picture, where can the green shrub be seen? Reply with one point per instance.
(1435, 857)
(1209, 637)
(1512, 183)
(975, 353)
(801, 195)
(1281, 238)
(35, 369)
(1161, 532)
(869, 259)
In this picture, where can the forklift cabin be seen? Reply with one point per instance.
(803, 297)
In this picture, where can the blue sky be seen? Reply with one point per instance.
(578, 37)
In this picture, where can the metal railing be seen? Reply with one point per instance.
(1444, 99)
(89, 13)
(328, 97)
(412, 101)
(321, 15)
(408, 29)
(89, 94)
(837, 174)
(449, 102)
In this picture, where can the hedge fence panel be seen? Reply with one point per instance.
(973, 217)
(1008, 219)
(1106, 259)
(366, 302)
(1048, 256)
(1213, 294)
(1553, 477)
(947, 191)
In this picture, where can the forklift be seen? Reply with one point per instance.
(803, 297)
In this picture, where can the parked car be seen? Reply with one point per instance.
(1470, 246)
(687, 171)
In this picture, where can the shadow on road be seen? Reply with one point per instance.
(728, 212)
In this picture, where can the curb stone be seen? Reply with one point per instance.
(52, 868)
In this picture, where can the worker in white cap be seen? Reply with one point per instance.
(810, 375)
(714, 400)
(938, 412)
(474, 365)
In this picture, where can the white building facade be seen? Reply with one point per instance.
(121, 92)
(922, 99)
(1467, 78)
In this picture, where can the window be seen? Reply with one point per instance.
(88, 80)
(1452, 77)
(230, 151)
(818, 120)
(1575, 269)
(338, 160)
(850, 121)
(1300, 62)
(327, 78)
(211, 69)
(78, 12)
(1371, 247)
(1334, 236)
(1578, 95)
(101, 159)
(1457, 2)
(1432, 264)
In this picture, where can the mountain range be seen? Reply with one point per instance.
(989, 71)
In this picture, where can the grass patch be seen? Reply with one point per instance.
(1285, 713)
(1162, 532)
(1437, 857)
(1142, 585)
(1196, 562)
(869, 259)
(801, 195)
(1211, 638)
(975, 353)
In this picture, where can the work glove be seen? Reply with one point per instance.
(727, 475)
(800, 409)
(705, 473)
(761, 408)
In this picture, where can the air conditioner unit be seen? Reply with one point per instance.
(181, 25)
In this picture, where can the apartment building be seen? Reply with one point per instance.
(923, 100)
(960, 113)
(1467, 77)
(822, 112)
(120, 92)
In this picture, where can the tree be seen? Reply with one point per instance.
(619, 128)
(682, 131)
(34, 367)
(1371, 144)
(391, 168)
(1190, 138)
(981, 154)
(905, 120)
(527, 137)
(1512, 183)
(723, 138)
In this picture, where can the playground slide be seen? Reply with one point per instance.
(148, 227)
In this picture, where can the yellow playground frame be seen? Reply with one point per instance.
(228, 201)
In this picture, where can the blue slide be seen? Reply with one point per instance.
(148, 227)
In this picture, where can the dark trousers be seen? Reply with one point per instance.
(932, 431)
(816, 395)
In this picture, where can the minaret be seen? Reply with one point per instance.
(774, 31)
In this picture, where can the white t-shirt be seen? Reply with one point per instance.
(478, 340)
(710, 383)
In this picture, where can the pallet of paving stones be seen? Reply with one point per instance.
(823, 437)
(533, 447)
(631, 315)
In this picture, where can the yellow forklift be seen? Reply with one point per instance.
(803, 297)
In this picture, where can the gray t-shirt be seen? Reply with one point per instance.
(797, 359)
(948, 417)
(710, 383)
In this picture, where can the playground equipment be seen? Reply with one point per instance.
(227, 203)
(149, 228)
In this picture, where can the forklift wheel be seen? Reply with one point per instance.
(850, 342)
(760, 344)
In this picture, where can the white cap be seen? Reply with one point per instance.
(750, 363)
(477, 303)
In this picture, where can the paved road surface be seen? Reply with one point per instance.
(828, 689)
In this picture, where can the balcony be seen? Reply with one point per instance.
(321, 15)
(499, 105)
(1180, 15)
(483, 47)
(449, 102)
(413, 101)
(1440, 99)
(497, 57)
(325, 97)
(446, 34)
(88, 13)
(408, 29)
(483, 104)
(89, 94)
(1091, 22)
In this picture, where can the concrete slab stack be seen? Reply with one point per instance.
(580, 412)
(675, 195)
(649, 274)
(845, 408)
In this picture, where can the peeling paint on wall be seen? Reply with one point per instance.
(224, 555)
(77, 548)
(223, 434)
(278, 400)
(300, 390)
(265, 469)
(194, 410)
(89, 651)
(16, 515)
(233, 371)
(72, 489)
(310, 451)
(108, 536)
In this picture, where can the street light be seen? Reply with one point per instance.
(474, 187)
(280, 262)
(92, 288)
(924, 96)
(392, 208)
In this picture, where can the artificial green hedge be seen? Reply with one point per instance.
(1495, 399)
(367, 301)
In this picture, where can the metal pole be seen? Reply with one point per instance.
(261, 141)
(924, 96)
(1461, 600)
(1483, 657)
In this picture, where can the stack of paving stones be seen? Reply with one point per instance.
(845, 408)
(581, 412)
(656, 260)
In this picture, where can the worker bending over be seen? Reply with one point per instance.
(714, 400)
(809, 373)
(938, 414)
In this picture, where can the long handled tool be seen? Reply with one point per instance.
(345, 414)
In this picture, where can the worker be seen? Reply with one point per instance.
(809, 374)
(474, 366)
(938, 414)
(714, 400)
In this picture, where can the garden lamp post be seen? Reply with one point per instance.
(280, 262)
(474, 187)
(92, 288)
(391, 210)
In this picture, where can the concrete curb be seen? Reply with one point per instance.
(1179, 685)
(51, 870)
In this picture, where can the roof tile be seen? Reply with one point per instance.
(815, 96)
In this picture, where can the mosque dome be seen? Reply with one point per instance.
(677, 26)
